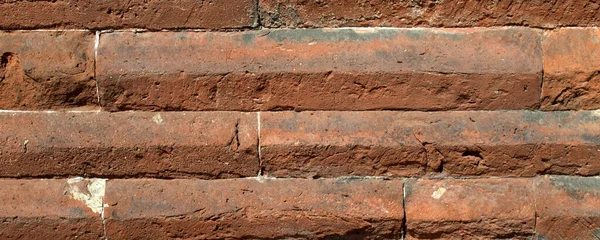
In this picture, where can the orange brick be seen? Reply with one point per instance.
(111, 14)
(321, 69)
(477, 143)
(47, 70)
(567, 207)
(128, 144)
(254, 208)
(429, 13)
(50, 209)
(571, 67)
(470, 209)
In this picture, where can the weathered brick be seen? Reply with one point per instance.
(51, 209)
(47, 70)
(470, 209)
(567, 207)
(111, 14)
(131, 144)
(321, 69)
(571, 67)
(494, 143)
(254, 208)
(429, 13)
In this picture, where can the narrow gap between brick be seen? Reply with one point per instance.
(535, 215)
(404, 209)
(104, 234)
(543, 68)
(260, 168)
(257, 18)
(96, 45)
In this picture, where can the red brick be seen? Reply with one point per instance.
(477, 143)
(470, 209)
(47, 70)
(111, 14)
(47, 209)
(567, 207)
(316, 69)
(254, 208)
(571, 67)
(429, 13)
(129, 144)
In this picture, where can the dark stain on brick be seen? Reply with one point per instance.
(424, 34)
(577, 187)
(595, 139)
(408, 187)
(346, 180)
(541, 237)
(320, 35)
(249, 37)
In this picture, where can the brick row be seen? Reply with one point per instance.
(549, 207)
(114, 14)
(128, 144)
(222, 14)
(429, 13)
(321, 69)
(302, 69)
(298, 144)
(387, 143)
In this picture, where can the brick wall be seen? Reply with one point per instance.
(289, 119)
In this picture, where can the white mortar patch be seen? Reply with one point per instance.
(438, 193)
(88, 191)
(157, 119)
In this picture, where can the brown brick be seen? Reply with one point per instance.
(571, 67)
(47, 69)
(254, 208)
(131, 144)
(470, 209)
(429, 13)
(111, 14)
(50, 209)
(477, 143)
(567, 207)
(321, 69)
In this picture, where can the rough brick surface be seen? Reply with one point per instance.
(429, 13)
(507, 143)
(132, 144)
(110, 14)
(43, 209)
(341, 69)
(46, 70)
(470, 209)
(254, 208)
(567, 207)
(571, 67)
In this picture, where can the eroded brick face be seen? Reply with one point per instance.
(428, 13)
(114, 14)
(47, 70)
(316, 69)
(299, 119)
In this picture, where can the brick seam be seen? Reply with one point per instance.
(96, 44)
(260, 173)
(256, 17)
(404, 220)
(543, 69)
(535, 213)
(195, 177)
